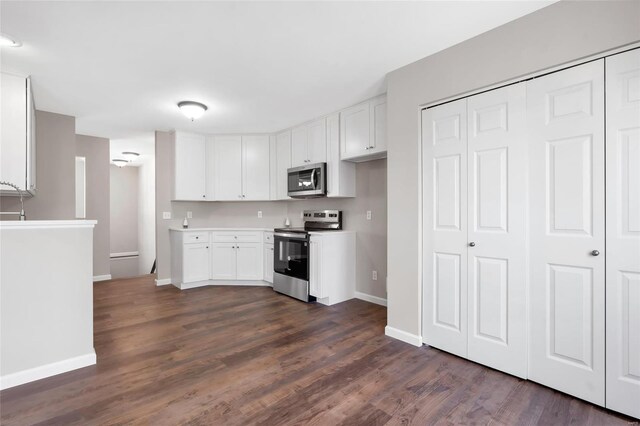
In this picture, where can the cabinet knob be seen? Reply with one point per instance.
(367, 148)
(595, 253)
(197, 238)
(204, 196)
(207, 247)
(472, 244)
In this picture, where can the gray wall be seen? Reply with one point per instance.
(96, 152)
(557, 34)
(124, 219)
(55, 170)
(371, 235)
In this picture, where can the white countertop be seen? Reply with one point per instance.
(176, 229)
(44, 224)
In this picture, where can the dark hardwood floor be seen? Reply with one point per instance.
(246, 355)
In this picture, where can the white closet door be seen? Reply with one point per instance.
(444, 144)
(497, 229)
(565, 118)
(623, 232)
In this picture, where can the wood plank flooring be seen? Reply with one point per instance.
(246, 355)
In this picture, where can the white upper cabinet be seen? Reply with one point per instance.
(17, 125)
(299, 146)
(227, 168)
(363, 131)
(309, 143)
(240, 168)
(283, 162)
(341, 175)
(189, 167)
(255, 167)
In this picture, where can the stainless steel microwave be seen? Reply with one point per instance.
(308, 181)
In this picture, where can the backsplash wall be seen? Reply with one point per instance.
(371, 194)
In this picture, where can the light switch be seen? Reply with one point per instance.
(189, 215)
(166, 215)
(260, 214)
(368, 214)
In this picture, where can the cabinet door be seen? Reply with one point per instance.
(317, 141)
(255, 167)
(623, 233)
(378, 125)
(223, 261)
(228, 168)
(283, 162)
(249, 261)
(196, 262)
(565, 124)
(190, 165)
(315, 268)
(496, 264)
(268, 263)
(355, 131)
(13, 125)
(444, 146)
(299, 146)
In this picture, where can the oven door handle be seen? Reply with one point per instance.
(294, 236)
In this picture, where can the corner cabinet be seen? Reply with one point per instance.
(332, 270)
(208, 257)
(17, 135)
(363, 131)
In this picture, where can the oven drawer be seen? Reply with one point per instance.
(195, 237)
(237, 237)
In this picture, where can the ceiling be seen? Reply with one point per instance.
(121, 67)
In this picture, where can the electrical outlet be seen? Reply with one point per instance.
(374, 276)
(166, 215)
(189, 215)
(260, 214)
(368, 214)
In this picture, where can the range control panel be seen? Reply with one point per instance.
(322, 219)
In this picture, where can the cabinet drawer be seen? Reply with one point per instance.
(237, 237)
(268, 237)
(196, 237)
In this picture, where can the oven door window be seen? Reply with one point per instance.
(305, 180)
(291, 257)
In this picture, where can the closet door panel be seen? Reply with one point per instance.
(565, 126)
(497, 229)
(444, 143)
(623, 232)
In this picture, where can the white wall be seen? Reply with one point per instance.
(557, 34)
(124, 220)
(146, 216)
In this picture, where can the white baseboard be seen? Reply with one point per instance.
(97, 278)
(164, 281)
(220, 283)
(47, 370)
(409, 338)
(370, 298)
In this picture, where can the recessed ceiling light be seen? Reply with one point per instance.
(192, 109)
(8, 41)
(130, 155)
(119, 162)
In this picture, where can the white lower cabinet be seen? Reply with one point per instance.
(268, 263)
(332, 270)
(223, 261)
(202, 257)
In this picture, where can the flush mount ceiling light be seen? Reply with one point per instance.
(119, 162)
(192, 109)
(130, 155)
(8, 41)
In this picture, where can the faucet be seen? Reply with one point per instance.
(17, 188)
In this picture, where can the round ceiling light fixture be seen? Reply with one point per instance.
(8, 41)
(130, 155)
(119, 162)
(192, 109)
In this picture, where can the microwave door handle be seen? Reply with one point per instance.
(313, 179)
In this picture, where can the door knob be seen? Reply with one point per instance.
(595, 253)
(472, 244)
